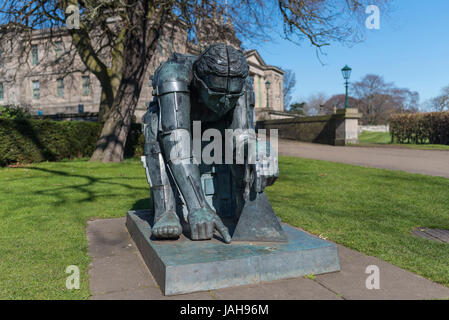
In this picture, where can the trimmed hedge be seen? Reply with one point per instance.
(420, 128)
(27, 141)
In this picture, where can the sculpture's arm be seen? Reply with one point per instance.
(173, 95)
(260, 160)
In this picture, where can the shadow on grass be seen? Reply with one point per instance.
(85, 188)
(141, 204)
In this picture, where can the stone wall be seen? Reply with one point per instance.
(340, 128)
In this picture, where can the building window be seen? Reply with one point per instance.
(60, 82)
(59, 49)
(1, 91)
(36, 90)
(86, 85)
(34, 55)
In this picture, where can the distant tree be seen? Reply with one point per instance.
(298, 108)
(404, 100)
(288, 86)
(441, 102)
(338, 101)
(378, 99)
(315, 103)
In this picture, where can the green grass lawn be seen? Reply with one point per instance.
(373, 139)
(45, 207)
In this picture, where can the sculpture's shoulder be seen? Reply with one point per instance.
(178, 68)
(249, 93)
(248, 86)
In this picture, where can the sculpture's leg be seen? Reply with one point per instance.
(166, 221)
(238, 175)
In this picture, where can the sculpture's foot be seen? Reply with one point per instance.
(167, 226)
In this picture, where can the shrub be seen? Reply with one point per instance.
(419, 128)
(135, 142)
(14, 112)
(27, 141)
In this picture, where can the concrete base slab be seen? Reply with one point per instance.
(184, 266)
(394, 282)
(119, 272)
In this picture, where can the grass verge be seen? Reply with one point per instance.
(383, 139)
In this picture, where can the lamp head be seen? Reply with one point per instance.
(346, 71)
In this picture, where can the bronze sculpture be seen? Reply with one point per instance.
(188, 194)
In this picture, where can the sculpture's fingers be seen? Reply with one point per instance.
(221, 228)
(209, 230)
(194, 231)
(202, 231)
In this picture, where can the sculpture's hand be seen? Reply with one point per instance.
(265, 171)
(203, 222)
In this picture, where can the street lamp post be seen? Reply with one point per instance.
(346, 71)
(267, 86)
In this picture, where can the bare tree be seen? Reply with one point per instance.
(377, 99)
(289, 82)
(116, 39)
(441, 102)
(338, 101)
(315, 103)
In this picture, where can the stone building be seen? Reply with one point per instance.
(47, 76)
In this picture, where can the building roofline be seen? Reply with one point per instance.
(263, 65)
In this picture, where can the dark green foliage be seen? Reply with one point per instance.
(419, 128)
(27, 141)
(135, 142)
(14, 112)
(298, 108)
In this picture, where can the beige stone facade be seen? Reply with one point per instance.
(49, 76)
(267, 86)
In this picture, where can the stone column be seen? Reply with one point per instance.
(346, 126)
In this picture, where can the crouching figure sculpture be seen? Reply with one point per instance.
(192, 194)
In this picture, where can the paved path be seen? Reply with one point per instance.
(430, 162)
(118, 272)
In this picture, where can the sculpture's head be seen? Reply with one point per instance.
(219, 77)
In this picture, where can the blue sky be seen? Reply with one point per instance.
(411, 49)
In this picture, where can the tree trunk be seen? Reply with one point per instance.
(106, 102)
(140, 44)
